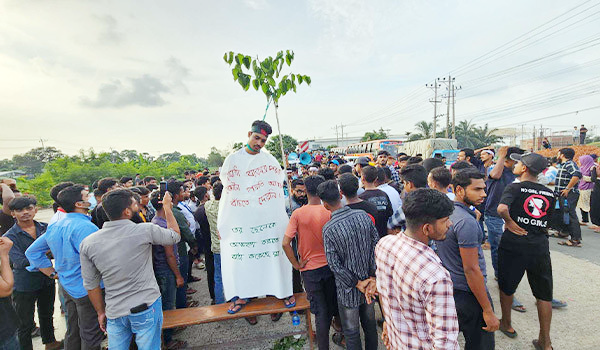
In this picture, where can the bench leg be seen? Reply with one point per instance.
(309, 328)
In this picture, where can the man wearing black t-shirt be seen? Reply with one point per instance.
(348, 188)
(377, 197)
(526, 208)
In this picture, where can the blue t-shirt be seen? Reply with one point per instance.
(494, 189)
(465, 232)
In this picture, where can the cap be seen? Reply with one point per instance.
(534, 161)
(335, 161)
(362, 161)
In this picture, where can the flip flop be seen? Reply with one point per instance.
(537, 346)
(252, 320)
(517, 306)
(289, 304)
(511, 335)
(558, 304)
(570, 243)
(237, 307)
(276, 317)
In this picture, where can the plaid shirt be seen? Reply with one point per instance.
(395, 176)
(398, 220)
(416, 295)
(565, 172)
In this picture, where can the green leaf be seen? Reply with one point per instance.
(236, 71)
(255, 84)
(230, 57)
(239, 58)
(271, 81)
(293, 78)
(255, 68)
(225, 56)
(246, 61)
(300, 79)
(265, 87)
(288, 59)
(294, 86)
(308, 80)
(279, 55)
(265, 65)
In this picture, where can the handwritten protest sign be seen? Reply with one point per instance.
(252, 221)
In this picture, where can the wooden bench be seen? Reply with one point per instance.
(257, 307)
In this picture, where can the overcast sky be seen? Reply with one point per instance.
(150, 76)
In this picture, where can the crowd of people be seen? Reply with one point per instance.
(403, 232)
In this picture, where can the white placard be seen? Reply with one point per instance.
(252, 221)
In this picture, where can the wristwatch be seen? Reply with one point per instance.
(52, 275)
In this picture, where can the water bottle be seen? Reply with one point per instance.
(566, 218)
(296, 324)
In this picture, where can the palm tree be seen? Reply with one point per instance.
(487, 136)
(424, 128)
(465, 135)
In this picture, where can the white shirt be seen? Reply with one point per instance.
(189, 216)
(59, 215)
(393, 195)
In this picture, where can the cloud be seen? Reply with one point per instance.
(109, 34)
(178, 73)
(144, 91)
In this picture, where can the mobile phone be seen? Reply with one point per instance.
(139, 308)
(163, 190)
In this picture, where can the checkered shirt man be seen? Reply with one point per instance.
(565, 173)
(416, 295)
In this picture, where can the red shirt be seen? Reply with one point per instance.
(307, 223)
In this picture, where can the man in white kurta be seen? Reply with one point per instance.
(251, 223)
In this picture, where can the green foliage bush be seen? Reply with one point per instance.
(87, 169)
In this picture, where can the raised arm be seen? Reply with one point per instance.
(7, 280)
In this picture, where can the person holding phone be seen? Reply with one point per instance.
(120, 255)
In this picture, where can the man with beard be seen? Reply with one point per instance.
(298, 197)
(462, 256)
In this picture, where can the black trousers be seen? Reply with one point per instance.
(25, 303)
(296, 278)
(470, 321)
(573, 227)
(83, 330)
(209, 263)
(321, 292)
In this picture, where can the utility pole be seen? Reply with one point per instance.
(435, 101)
(448, 101)
(342, 126)
(337, 138)
(42, 141)
(454, 89)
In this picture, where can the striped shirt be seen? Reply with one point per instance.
(395, 177)
(350, 238)
(565, 172)
(416, 294)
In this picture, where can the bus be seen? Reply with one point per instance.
(371, 148)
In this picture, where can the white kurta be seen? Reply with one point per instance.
(252, 221)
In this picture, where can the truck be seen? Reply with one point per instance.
(428, 147)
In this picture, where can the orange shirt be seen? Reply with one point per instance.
(307, 222)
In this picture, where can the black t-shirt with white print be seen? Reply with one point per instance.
(530, 206)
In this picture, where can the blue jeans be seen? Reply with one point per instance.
(219, 293)
(11, 343)
(494, 226)
(352, 319)
(146, 326)
(181, 301)
(168, 289)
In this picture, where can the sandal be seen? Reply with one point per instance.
(511, 335)
(517, 306)
(338, 339)
(252, 320)
(238, 304)
(571, 243)
(557, 234)
(558, 304)
(537, 346)
(290, 302)
(192, 303)
(276, 317)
